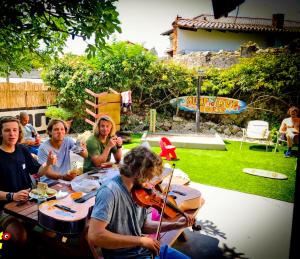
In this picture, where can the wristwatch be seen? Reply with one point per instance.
(9, 196)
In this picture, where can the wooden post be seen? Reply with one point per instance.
(152, 120)
(198, 101)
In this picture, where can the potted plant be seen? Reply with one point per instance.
(60, 113)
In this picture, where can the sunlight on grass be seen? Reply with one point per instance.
(224, 168)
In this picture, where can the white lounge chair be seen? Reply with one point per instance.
(258, 130)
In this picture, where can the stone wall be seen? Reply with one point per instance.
(220, 59)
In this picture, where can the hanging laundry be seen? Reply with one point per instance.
(126, 101)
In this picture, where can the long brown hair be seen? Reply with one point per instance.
(141, 163)
(6, 119)
(96, 130)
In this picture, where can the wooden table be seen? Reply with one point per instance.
(28, 212)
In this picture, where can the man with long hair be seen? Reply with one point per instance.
(118, 223)
(102, 144)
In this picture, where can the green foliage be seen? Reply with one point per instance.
(125, 67)
(70, 75)
(154, 83)
(268, 82)
(28, 25)
(58, 113)
(273, 74)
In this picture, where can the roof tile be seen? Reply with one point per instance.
(232, 23)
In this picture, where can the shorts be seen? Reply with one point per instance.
(293, 136)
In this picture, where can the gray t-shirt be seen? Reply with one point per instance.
(63, 164)
(115, 206)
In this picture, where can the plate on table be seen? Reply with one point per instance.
(50, 193)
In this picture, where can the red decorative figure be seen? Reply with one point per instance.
(167, 149)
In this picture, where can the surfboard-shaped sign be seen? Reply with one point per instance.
(209, 104)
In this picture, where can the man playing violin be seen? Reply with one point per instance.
(102, 144)
(117, 223)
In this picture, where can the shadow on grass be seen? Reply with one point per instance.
(261, 148)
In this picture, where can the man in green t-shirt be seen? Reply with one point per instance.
(102, 144)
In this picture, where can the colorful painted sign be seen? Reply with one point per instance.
(210, 104)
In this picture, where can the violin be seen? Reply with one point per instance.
(149, 197)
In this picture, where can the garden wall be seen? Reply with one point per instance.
(220, 59)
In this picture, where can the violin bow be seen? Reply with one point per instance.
(164, 205)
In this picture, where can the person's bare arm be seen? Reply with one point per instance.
(99, 236)
(151, 226)
(99, 159)
(17, 196)
(283, 127)
(46, 169)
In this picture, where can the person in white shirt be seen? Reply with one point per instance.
(289, 129)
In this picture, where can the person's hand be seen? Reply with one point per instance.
(186, 221)
(151, 244)
(112, 142)
(84, 149)
(51, 159)
(119, 141)
(83, 144)
(37, 140)
(21, 195)
(70, 175)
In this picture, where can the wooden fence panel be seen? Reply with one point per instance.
(25, 95)
(32, 98)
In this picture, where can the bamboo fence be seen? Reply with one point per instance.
(25, 95)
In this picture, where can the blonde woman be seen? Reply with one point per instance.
(102, 144)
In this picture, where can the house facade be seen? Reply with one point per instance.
(204, 33)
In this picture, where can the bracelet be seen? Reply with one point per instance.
(118, 147)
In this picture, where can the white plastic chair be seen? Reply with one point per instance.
(258, 130)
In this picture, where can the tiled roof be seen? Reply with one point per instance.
(232, 23)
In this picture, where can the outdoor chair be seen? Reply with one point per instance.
(258, 130)
(167, 149)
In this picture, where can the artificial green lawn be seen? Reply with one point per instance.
(224, 168)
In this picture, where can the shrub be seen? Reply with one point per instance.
(58, 113)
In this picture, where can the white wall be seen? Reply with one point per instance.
(37, 114)
(215, 40)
